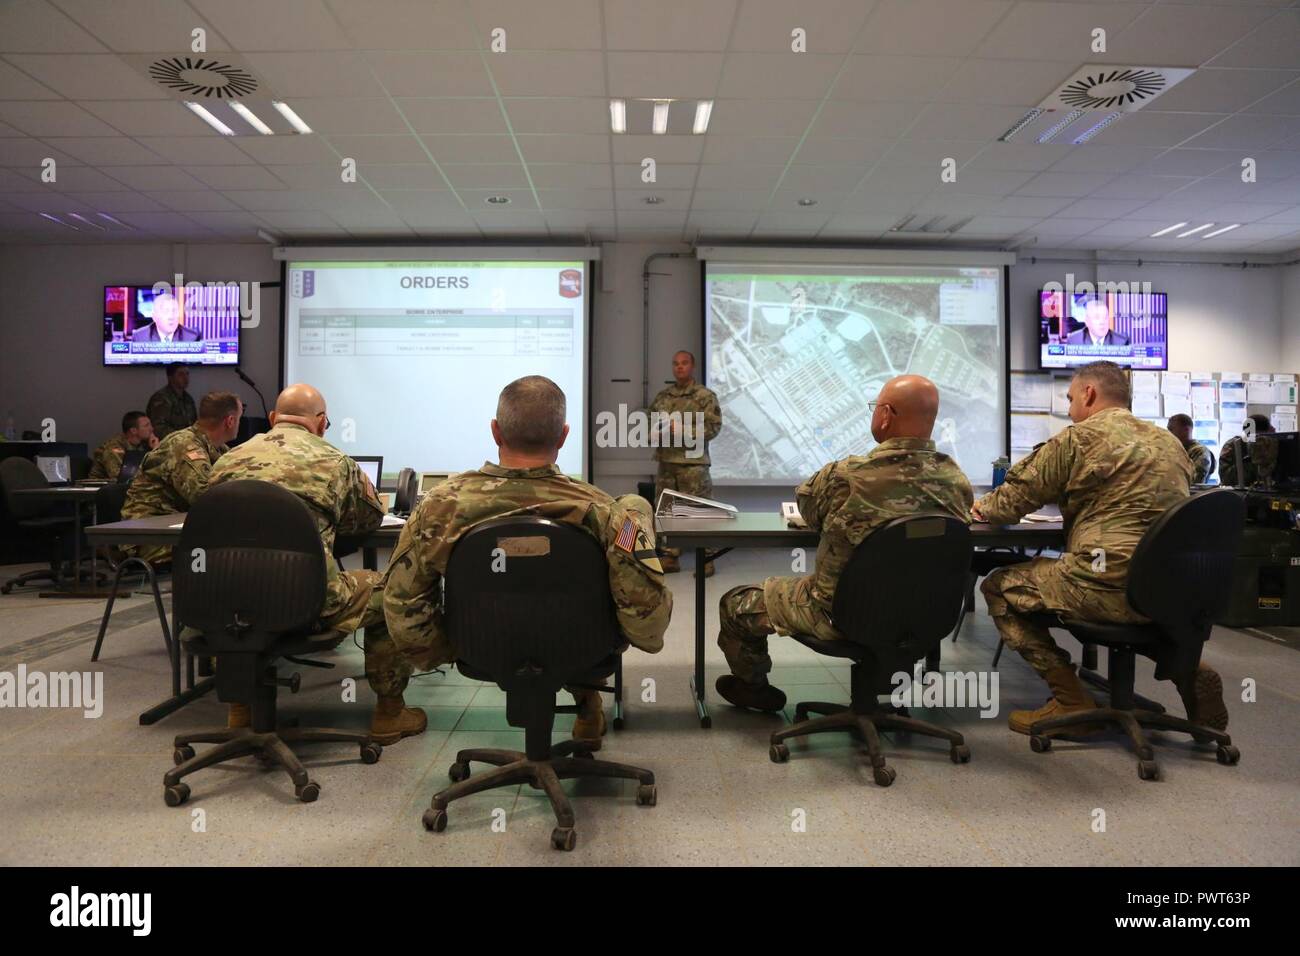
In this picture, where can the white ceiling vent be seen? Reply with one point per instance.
(201, 77)
(1092, 99)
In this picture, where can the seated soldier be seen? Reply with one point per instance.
(1202, 459)
(1258, 457)
(295, 455)
(137, 435)
(1113, 475)
(846, 501)
(529, 430)
(176, 472)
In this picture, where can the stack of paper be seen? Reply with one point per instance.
(677, 504)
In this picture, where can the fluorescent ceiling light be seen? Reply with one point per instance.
(1177, 225)
(703, 110)
(660, 125)
(1192, 232)
(1069, 118)
(93, 225)
(1094, 130)
(294, 119)
(1218, 232)
(202, 113)
(618, 116)
(252, 119)
(46, 215)
(1021, 124)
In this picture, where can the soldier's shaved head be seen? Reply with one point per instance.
(1096, 387)
(304, 405)
(530, 420)
(905, 408)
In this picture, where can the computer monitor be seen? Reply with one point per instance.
(1286, 474)
(430, 478)
(372, 465)
(130, 465)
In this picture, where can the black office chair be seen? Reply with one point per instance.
(1179, 577)
(108, 509)
(895, 601)
(39, 519)
(545, 622)
(407, 489)
(250, 578)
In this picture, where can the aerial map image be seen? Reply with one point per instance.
(795, 359)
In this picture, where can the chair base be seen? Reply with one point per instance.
(569, 759)
(271, 748)
(866, 728)
(1132, 722)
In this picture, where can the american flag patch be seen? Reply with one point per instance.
(627, 536)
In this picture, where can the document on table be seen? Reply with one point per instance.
(1039, 517)
(392, 521)
(179, 524)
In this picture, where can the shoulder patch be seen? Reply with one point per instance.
(195, 455)
(627, 535)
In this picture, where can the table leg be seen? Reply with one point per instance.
(370, 559)
(697, 682)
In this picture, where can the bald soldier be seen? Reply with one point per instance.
(692, 419)
(845, 501)
(176, 472)
(529, 430)
(295, 455)
(136, 435)
(171, 408)
(1113, 475)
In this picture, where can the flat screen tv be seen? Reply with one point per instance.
(1127, 328)
(193, 325)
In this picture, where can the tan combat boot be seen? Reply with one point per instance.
(590, 723)
(240, 716)
(1068, 697)
(393, 720)
(1206, 707)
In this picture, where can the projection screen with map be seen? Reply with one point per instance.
(795, 351)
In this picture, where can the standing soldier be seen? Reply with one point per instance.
(1113, 476)
(171, 408)
(295, 455)
(683, 453)
(846, 501)
(137, 435)
(176, 472)
(529, 430)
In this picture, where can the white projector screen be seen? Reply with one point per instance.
(411, 355)
(795, 352)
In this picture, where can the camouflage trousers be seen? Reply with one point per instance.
(748, 614)
(387, 670)
(1016, 593)
(688, 479)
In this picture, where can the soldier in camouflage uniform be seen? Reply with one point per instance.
(295, 455)
(176, 472)
(137, 435)
(1258, 458)
(683, 453)
(845, 501)
(171, 408)
(1113, 475)
(1180, 426)
(529, 429)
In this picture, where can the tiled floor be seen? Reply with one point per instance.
(89, 791)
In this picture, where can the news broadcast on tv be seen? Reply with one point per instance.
(194, 324)
(1127, 328)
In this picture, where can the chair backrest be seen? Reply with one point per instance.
(1180, 575)
(249, 566)
(108, 503)
(527, 601)
(21, 474)
(903, 588)
(408, 485)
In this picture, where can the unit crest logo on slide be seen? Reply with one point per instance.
(570, 283)
(303, 283)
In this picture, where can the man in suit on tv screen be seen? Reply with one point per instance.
(1096, 330)
(166, 325)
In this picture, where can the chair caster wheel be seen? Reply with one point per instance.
(959, 754)
(1040, 744)
(176, 794)
(1148, 770)
(1227, 755)
(434, 820)
(370, 752)
(647, 795)
(884, 775)
(564, 838)
(308, 792)
(182, 754)
(779, 753)
(458, 771)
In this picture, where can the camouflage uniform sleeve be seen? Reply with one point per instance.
(190, 476)
(657, 403)
(1032, 482)
(814, 497)
(1200, 465)
(102, 464)
(636, 579)
(412, 591)
(360, 510)
(712, 417)
(159, 414)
